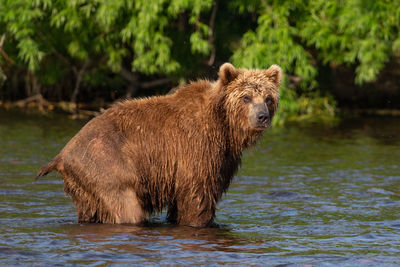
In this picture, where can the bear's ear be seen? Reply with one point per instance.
(227, 73)
(274, 74)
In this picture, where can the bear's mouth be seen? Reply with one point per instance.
(259, 125)
(262, 127)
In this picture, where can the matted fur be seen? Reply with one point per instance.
(178, 151)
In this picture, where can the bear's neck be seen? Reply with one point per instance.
(241, 140)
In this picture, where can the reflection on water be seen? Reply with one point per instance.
(306, 195)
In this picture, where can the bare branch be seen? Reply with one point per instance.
(211, 34)
(78, 80)
(134, 83)
(35, 98)
(155, 83)
(132, 78)
(2, 52)
(3, 37)
(128, 75)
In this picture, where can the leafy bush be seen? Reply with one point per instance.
(65, 45)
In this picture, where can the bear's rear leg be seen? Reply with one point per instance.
(86, 204)
(117, 207)
(122, 207)
(112, 206)
(127, 208)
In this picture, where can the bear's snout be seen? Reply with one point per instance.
(259, 117)
(263, 117)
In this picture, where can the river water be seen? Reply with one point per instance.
(305, 196)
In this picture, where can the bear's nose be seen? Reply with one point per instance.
(262, 117)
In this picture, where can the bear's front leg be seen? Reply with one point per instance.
(195, 212)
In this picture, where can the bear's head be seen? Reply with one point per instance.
(251, 96)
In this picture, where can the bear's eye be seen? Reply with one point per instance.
(246, 99)
(269, 101)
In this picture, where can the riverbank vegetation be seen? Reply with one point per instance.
(335, 54)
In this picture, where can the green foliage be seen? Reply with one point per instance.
(298, 34)
(274, 41)
(58, 41)
(89, 29)
(353, 32)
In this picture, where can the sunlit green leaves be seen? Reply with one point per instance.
(30, 53)
(107, 13)
(298, 34)
(93, 29)
(115, 57)
(75, 50)
(343, 32)
(175, 38)
(199, 44)
(19, 17)
(274, 41)
(353, 32)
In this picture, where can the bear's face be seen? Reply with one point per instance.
(252, 95)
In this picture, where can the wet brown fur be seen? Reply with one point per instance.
(178, 151)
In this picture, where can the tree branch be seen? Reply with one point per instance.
(134, 83)
(211, 33)
(132, 78)
(3, 37)
(154, 83)
(35, 98)
(2, 52)
(78, 80)
(128, 75)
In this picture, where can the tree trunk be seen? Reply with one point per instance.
(79, 75)
(133, 81)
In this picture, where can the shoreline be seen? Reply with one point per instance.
(84, 110)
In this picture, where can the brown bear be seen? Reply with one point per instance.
(178, 151)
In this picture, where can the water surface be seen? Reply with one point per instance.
(306, 195)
